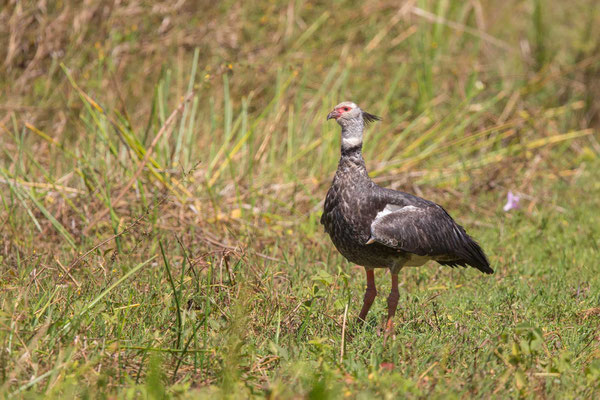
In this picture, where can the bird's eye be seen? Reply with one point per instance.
(346, 109)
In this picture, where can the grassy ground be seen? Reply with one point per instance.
(162, 171)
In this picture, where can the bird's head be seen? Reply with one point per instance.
(347, 113)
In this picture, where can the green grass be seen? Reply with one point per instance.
(161, 178)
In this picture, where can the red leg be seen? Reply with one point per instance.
(370, 294)
(392, 301)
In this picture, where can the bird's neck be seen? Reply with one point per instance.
(350, 147)
(352, 163)
(351, 169)
(352, 137)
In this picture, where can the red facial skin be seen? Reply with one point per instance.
(337, 112)
(342, 110)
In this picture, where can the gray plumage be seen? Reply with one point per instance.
(382, 228)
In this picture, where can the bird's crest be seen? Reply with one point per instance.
(368, 118)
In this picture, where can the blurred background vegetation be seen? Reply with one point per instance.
(162, 173)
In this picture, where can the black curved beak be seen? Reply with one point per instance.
(333, 114)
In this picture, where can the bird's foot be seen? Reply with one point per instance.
(389, 331)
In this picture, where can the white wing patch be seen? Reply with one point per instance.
(388, 209)
(383, 213)
(408, 208)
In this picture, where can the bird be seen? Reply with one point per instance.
(377, 227)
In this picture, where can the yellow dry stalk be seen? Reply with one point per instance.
(558, 138)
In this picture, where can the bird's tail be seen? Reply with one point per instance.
(475, 257)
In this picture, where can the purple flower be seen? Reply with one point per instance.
(512, 201)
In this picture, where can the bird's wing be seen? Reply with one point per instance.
(328, 204)
(418, 230)
(427, 230)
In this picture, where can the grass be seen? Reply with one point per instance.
(162, 175)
